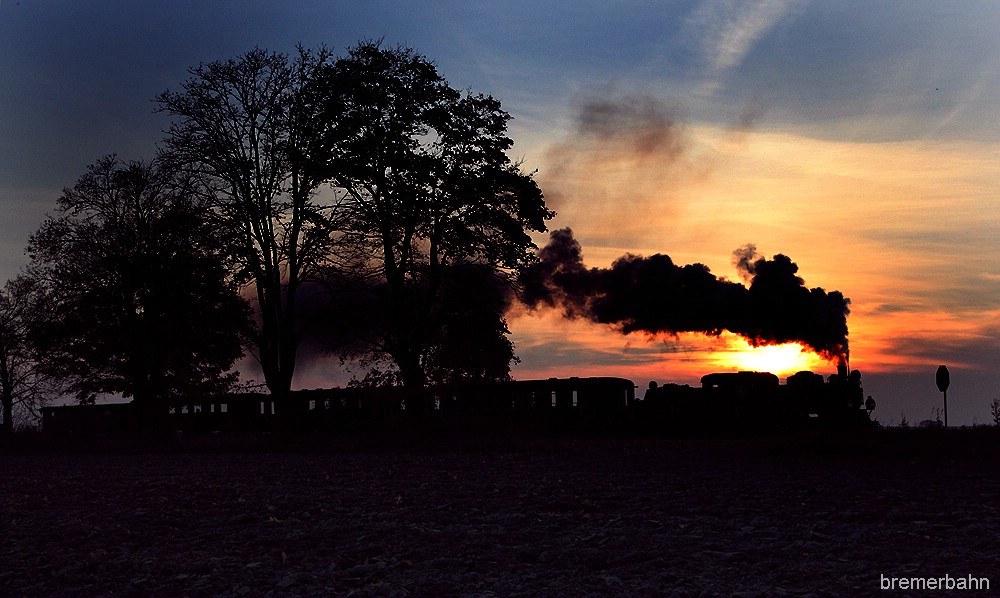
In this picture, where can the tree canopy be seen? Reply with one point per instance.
(139, 302)
(426, 186)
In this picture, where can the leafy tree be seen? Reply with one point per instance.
(249, 124)
(425, 185)
(137, 288)
(24, 384)
(469, 341)
(467, 335)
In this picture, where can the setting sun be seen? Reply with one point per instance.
(781, 360)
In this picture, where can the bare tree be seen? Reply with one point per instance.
(249, 125)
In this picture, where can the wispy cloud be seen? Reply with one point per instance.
(729, 29)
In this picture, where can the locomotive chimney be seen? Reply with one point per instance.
(842, 370)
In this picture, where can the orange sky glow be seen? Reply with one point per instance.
(891, 225)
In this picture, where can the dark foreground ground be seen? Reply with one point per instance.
(801, 516)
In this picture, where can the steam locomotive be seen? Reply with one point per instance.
(729, 401)
(757, 400)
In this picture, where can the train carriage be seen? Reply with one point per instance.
(740, 400)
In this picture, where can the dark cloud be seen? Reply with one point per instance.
(656, 296)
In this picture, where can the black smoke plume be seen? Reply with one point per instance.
(654, 295)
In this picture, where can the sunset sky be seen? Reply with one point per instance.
(861, 139)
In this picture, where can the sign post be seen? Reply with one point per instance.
(943, 379)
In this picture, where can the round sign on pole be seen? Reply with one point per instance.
(943, 379)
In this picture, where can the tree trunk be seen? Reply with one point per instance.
(277, 358)
(8, 412)
(414, 385)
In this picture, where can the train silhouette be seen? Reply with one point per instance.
(738, 401)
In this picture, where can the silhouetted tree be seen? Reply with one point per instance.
(250, 124)
(469, 341)
(426, 184)
(138, 298)
(467, 335)
(24, 384)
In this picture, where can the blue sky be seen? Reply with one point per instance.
(860, 138)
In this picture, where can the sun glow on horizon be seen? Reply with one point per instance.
(780, 360)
